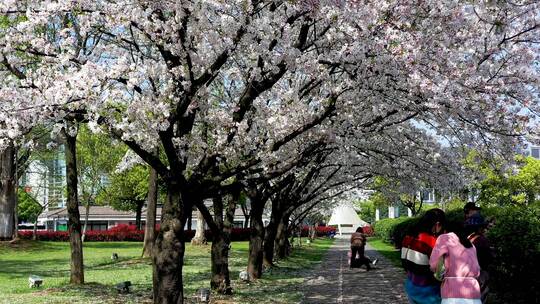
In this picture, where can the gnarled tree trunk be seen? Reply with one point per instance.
(168, 255)
(255, 259)
(221, 281)
(8, 192)
(151, 209)
(282, 245)
(270, 234)
(74, 219)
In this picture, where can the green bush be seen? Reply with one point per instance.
(394, 230)
(516, 239)
(401, 229)
(385, 229)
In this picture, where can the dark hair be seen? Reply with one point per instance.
(476, 229)
(360, 229)
(462, 232)
(429, 219)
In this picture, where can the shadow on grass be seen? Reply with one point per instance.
(120, 263)
(29, 246)
(99, 293)
(279, 285)
(114, 245)
(23, 268)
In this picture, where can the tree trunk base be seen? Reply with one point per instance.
(198, 242)
(15, 241)
(219, 286)
(268, 264)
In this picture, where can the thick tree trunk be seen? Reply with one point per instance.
(138, 214)
(255, 259)
(282, 245)
(199, 238)
(169, 248)
(86, 216)
(221, 281)
(270, 235)
(269, 240)
(15, 220)
(74, 220)
(8, 192)
(151, 208)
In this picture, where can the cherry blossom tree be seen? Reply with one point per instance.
(223, 87)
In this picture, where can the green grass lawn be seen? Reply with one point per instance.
(50, 260)
(387, 250)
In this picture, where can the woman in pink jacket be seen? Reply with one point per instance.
(459, 285)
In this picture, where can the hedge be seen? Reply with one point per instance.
(515, 237)
(128, 233)
(387, 229)
(320, 231)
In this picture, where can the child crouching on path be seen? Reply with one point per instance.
(358, 244)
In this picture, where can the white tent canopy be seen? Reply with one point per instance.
(346, 219)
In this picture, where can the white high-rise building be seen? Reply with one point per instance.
(45, 181)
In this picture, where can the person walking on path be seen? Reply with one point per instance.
(358, 244)
(421, 286)
(459, 285)
(475, 227)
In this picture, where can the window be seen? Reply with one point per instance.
(97, 226)
(428, 195)
(535, 152)
(61, 227)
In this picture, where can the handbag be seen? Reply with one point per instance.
(440, 270)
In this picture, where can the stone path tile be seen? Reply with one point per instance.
(335, 282)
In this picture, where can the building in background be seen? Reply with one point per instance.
(345, 219)
(104, 217)
(44, 179)
(531, 150)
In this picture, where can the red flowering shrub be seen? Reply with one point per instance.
(320, 231)
(58, 236)
(368, 230)
(237, 234)
(123, 232)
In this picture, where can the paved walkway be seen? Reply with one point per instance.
(335, 282)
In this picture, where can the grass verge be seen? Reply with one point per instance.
(387, 250)
(50, 260)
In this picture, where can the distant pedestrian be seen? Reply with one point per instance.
(471, 209)
(475, 227)
(459, 285)
(358, 244)
(420, 285)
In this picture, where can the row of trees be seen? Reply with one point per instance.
(495, 181)
(289, 102)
